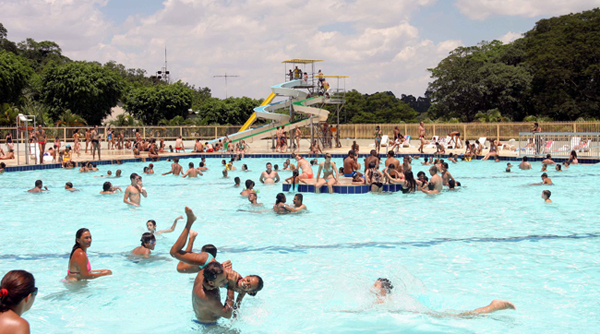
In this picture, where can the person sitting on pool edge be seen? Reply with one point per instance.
(304, 165)
(351, 166)
(383, 287)
(148, 243)
(249, 188)
(269, 176)
(546, 196)
(17, 295)
(151, 225)
(79, 264)
(38, 187)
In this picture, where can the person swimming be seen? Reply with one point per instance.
(148, 241)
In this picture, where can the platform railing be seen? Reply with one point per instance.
(559, 144)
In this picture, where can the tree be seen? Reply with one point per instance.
(14, 74)
(384, 108)
(228, 111)
(564, 55)
(69, 119)
(153, 103)
(87, 89)
(41, 53)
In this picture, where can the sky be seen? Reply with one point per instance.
(382, 45)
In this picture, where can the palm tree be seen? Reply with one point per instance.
(125, 120)
(70, 119)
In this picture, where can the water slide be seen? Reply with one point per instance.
(267, 111)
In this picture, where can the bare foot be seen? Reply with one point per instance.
(498, 305)
(193, 234)
(191, 217)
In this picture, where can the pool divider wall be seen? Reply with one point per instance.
(341, 189)
(259, 156)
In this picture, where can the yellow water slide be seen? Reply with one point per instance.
(253, 116)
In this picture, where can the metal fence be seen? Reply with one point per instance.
(469, 131)
(560, 144)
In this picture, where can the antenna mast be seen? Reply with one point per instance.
(225, 76)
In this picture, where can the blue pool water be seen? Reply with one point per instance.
(493, 239)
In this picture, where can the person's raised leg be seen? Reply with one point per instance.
(183, 267)
(180, 243)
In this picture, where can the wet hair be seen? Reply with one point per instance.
(259, 287)
(175, 159)
(574, 154)
(548, 156)
(237, 180)
(300, 197)
(212, 270)
(351, 152)
(210, 249)
(2, 165)
(392, 166)
(202, 164)
(390, 153)
(106, 186)
(244, 167)
(421, 173)
(280, 198)
(18, 284)
(410, 182)
(373, 152)
(249, 184)
(445, 164)
(146, 169)
(133, 176)
(547, 193)
(191, 165)
(69, 184)
(451, 184)
(38, 183)
(78, 235)
(118, 172)
(433, 169)
(524, 159)
(544, 175)
(431, 186)
(268, 163)
(276, 167)
(152, 221)
(147, 237)
(372, 164)
(386, 284)
(558, 167)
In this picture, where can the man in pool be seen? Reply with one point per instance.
(134, 190)
(548, 160)
(39, 187)
(108, 189)
(253, 198)
(269, 176)
(524, 165)
(546, 196)
(391, 159)
(545, 180)
(351, 166)
(176, 168)
(191, 172)
(69, 187)
(436, 180)
(298, 206)
(383, 287)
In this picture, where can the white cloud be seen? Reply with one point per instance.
(509, 37)
(482, 9)
(381, 51)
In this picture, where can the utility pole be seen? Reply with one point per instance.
(225, 76)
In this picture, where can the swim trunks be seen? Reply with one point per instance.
(205, 324)
(351, 174)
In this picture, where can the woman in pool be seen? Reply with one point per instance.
(573, 158)
(151, 225)
(330, 175)
(17, 294)
(279, 206)
(410, 184)
(374, 177)
(148, 243)
(79, 264)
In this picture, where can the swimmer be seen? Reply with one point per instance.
(118, 174)
(249, 188)
(202, 167)
(548, 160)
(210, 254)
(225, 172)
(406, 164)
(508, 167)
(452, 184)
(545, 180)
(79, 264)
(383, 287)
(108, 174)
(446, 176)
(372, 157)
(393, 175)
(544, 168)
(566, 164)
(330, 175)
(524, 165)
(17, 295)
(69, 187)
(558, 168)
(546, 196)
(148, 243)
(253, 198)
(298, 206)
(2, 167)
(280, 206)
(452, 158)
(237, 181)
(391, 159)
(176, 168)
(108, 189)
(134, 190)
(269, 176)
(206, 298)
(435, 184)
(426, 162)
(39, 187)
(151, 225)
(245, 168)
(191, 172)
(294, 179)
(150, 169)
(304, 165)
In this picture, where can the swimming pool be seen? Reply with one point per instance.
(493, 239)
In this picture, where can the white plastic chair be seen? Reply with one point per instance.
(406, 142)
(431, 144)
(482, 141)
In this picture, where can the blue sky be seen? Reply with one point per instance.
(381, 45)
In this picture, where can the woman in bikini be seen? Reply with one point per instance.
(375, 178)
(330, 175)
(77, 144)
(378, 138)
(79, 264)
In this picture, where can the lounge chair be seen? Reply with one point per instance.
(384, 141)
(482, 141)
(406, 142)
(575, 141)
(431, 144)
(548, 147)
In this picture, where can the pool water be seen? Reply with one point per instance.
(493, 239)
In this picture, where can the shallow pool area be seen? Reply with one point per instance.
(495, 238)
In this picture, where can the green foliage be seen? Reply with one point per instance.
(125, 120)
(153, 103)
(380, 108)
(564, 55)
(40, 54)
(490, 116)
(229, 111)
(14, 73)
(69, 119)
(86, 89)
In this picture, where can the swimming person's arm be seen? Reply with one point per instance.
(225, 311)
(172, 226)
